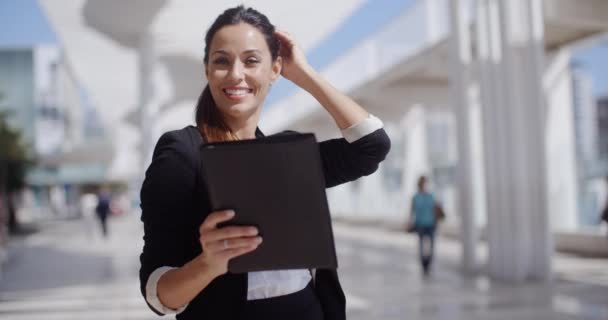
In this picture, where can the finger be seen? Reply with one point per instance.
(284, 37)
(233, 253)
(230, 244)
(228, 233)
(214, 218)
(282, 32)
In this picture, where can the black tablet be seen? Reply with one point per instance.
(275, 183)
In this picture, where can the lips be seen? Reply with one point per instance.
(237, 93)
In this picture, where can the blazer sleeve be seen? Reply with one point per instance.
(166, 203)
(343, 161)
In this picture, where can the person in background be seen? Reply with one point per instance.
(103, 210)
(604, 214)
(423, 221)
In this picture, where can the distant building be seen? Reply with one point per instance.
(602, 127)
(585, 116)
(47, 103)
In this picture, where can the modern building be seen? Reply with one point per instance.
(47, 103)
(585, 115)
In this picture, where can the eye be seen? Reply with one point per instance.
(221, 60)
(252, 60)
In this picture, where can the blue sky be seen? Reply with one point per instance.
(594, 60)
(24, 24)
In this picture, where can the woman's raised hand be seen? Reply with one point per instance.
(222, 244)
(294, 61)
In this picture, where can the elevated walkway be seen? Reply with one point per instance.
(406, 63)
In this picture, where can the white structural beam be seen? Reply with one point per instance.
(388, 104)
(511, 53)
(147, 62)
(565, 21)
(116, 18)
(415, 158)
(580, 14)
(560, 138)
(462, 102)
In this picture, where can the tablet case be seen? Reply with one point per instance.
(275, 183)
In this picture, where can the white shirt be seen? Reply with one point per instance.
(267, 284)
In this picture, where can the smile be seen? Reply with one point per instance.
(237, 93)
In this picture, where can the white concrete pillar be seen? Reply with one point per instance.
(147, 61)
(434, 19)
(370, 197)
(563, 184)
(340, 199)
(416, 159)
(511, 60)
(462, 102)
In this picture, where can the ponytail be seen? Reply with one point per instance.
(209, 120)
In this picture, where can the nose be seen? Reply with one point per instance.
(236, 71)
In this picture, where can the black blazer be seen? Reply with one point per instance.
(174, 203)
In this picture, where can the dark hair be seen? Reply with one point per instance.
(208, 117)
(421, 181)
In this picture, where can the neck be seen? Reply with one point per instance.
(243, 128)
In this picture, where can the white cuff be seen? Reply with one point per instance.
(152, 296)
(361, 129)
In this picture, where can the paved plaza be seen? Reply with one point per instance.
(67, 271)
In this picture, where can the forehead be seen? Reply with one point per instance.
(238, 38)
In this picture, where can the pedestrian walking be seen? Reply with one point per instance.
(425, 214)
(103, 210)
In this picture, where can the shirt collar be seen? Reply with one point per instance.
(259, 133)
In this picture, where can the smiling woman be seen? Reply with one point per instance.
(240, 69)
(241, 62)
(185, 255)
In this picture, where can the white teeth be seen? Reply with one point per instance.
(237, 91)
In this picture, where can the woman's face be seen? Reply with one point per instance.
(240, 70)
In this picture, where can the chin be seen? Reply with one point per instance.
(239, 110)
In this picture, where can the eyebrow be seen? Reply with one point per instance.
(221, 51)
